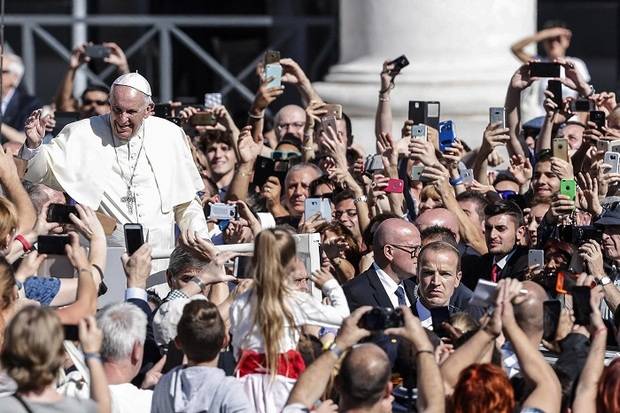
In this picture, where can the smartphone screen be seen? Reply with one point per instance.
(551, 318)
(598, 117)
(71, 332)
(555, 87)
(544, 69)
(52, 244)
(263, 169)
(581, 305)
(60, 213)
(134, 237)
(439, 316)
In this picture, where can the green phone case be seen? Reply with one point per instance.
(568, 187)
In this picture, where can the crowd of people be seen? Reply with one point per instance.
(446, 283)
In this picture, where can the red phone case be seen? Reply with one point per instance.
(395, 185)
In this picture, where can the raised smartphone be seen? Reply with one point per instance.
(560, 149)
(60, 213)
(568, 187)
(52, 244)
(612, 159)
(447, 134)
(497, 115)
(581, 305)
(536, 257)
(544, 69)
(395, 186)
(321, 206)
(134, 237)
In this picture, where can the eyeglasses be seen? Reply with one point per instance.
(95, 101)
(293, 125)
(414, 253)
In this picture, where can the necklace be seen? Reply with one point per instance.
(130, 197)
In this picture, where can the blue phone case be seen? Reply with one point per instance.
(447, 134)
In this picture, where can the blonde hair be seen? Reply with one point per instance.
(33, 352)
(7, 294)
(8, 219)
(273, 250)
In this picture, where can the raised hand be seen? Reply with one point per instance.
(91, 336)
(87, 222)
(521, 78)
(572, 78)
(291, 72)
(265, 96)
(35, 128)
(137, 266)
(78, 57)
(588, 194)
(248, 148)
(494, 136)
(521, 168)
(117, 57)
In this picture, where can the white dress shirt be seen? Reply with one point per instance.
(502, 263)
(390, 286)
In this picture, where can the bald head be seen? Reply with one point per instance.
(364, 377)
(290, 119)
(395, 231)
(529, 313)
(440, 217)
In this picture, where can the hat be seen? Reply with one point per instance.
(134, 80)
(535, 123)
(610, 216)
(167, 318)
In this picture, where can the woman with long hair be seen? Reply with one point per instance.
(266, 321)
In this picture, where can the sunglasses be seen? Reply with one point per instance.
(506, 195)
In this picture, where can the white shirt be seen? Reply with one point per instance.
(6, 99)
(127, 398)
(390, 286)
(305, 310)
(502, 263)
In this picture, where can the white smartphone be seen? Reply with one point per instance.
(319, 206)
(536, 257)
(608, 146)
(419, 132)
(374, 163)
(612, 159)
(485, 293)
(273, 71)
(497, 115)
(416, 172)
(467, 176)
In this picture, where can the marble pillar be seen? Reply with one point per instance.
(459, 53)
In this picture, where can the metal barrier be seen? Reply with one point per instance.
(164, 28)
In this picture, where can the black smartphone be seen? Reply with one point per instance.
(581, 105)
(63, 119)
(426, 113)
(551, 318)
(174, 357)
(555, 87)
(71, 332)
(52, 244)
(399, 63)
(581, 305)
(97, 51)
(440, 315)
(134, 237)
(163, 110)
(60, 213)
(544, 69)
(263, 169)
(598, 117)
(380, 318)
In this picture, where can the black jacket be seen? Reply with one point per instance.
(475, 268)
(366, 289)
(19, 108)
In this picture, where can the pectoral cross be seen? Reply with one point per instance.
(129, 199)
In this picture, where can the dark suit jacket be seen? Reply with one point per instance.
(366, 289)
(459, 303)
(475, 268)
(19, 108)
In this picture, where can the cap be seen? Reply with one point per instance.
(167, 318)
(610, 216)
(134, 80)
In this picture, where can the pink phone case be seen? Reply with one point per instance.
(395, 185)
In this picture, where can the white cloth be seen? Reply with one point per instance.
(82, 161)
(267, 394)
(533, 97)
(167, 318)
(390, 286)
(305, 310)
(135, 81)
(127, 398)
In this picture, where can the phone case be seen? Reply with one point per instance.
(555, 87)
(447, 134)
(568, 187)
(419, 132)
(560, 149)
(334, 110)
(374, 163)
(497, 115)
(134, 237)
(273, 71)
(395, 186)
(544, 69)
(536, 257)
(312, 207)
(327, 121)
(416, 172)
(612, 159)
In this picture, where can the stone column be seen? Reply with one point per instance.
(459, 53)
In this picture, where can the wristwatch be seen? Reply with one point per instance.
(199, 283)
(603, 281)
(362, 198)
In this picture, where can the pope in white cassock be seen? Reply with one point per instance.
(131, 166)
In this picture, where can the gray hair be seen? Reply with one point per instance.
(181, 261)
(299, 167)
(122, 324)
(15, 65)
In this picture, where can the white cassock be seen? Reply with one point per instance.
(95, 168)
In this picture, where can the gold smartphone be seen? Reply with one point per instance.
(560, 149)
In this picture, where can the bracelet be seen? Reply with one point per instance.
(335, 350)
(383, 99)
(84, 270)
(199, 283)
(262, 115)
(362, 198)
(417, 353)
(246, 174)
(99, 270)
(25, 244)
(93, 356)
